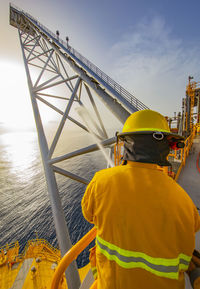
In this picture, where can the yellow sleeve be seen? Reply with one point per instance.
(197, 219)
(197, 283)
(88, 201)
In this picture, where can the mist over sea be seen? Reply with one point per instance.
(25, 210)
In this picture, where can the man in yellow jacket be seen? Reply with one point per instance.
(145, 221)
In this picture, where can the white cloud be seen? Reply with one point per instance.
(154, 66)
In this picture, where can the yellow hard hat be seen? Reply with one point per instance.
(146, 122)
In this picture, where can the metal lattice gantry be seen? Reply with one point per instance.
(56, 72)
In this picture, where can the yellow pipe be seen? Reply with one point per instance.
(178, 172)
(71, 255)
(181, 155)
(175, 155)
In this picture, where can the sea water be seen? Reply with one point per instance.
(25, 210)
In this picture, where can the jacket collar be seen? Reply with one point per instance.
(144, 165)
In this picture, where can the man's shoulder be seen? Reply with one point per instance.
(109, 172)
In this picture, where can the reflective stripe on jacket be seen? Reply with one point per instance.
(146, 226)
(128, 259)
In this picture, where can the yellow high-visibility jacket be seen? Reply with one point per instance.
(146, 226)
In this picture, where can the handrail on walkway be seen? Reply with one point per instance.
(38, 242)
(181, 154)
(74, 53)
(185, 151)
(71, 255)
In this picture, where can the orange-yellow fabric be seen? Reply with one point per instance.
(137, 207)
(93, 264)
(197, 283)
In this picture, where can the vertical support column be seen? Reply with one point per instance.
(198, 108)
(72, 275)
(183, 117)
(188, 111)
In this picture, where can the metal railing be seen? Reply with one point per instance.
(182, 156)
(9, 246)
(71, 255)
(109, 81)
(39, 242)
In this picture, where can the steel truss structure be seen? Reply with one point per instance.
(51, 64)
(189, 103)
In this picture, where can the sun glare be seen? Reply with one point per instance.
(15, 106)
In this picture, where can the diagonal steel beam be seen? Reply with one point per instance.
(91, 119)
(65, 71)
(51, 95)
(54, 143)
(27, 36)
(88, 149)
(42, 87)
(32, 39)
(62, 113)
(96, 110)
(41, 67)
(45, 52)
(70, 175)
(36, 42)
(41, 73)
(37, 57)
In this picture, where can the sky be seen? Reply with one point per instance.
(150, 47)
